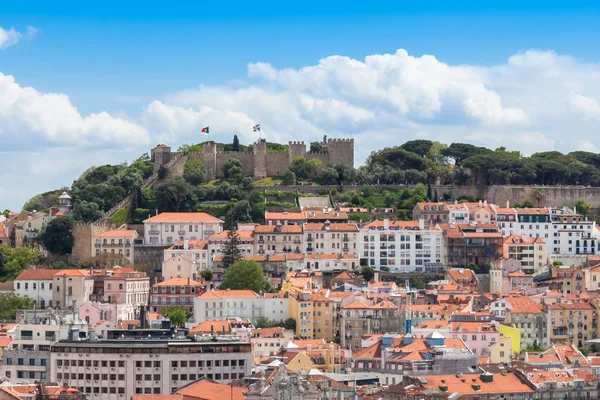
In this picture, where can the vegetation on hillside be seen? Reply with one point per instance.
(14, 260)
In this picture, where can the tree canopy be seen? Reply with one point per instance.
(13, 261)
(177, 314)
(11, 302)
(57, 236)
(244, 275)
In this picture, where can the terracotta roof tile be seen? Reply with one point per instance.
(183, 217)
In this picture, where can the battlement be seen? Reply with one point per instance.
(340, 140)
(233, 152)
(295, 142)
(317, 153)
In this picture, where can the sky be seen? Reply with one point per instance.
(93, 83)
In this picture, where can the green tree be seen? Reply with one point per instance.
(300, 167)
(175, 195)
(163, 173)
(264, 322)
(207, 275)
(231, 251)
(329, 176)
(177, 314)
(583, 207)
(232, 170)
(14, 260)
(11, 303)
(87, 210)
(534, 348)
(528, 204)
(6, 213)
(244, 275)
(417, 282)
(314, 167)
(289, 323)
(557, 263)
(289, 178)
(194, 172)
(316, 147)
(57, 237)
(236, 144)
(120, 218)
(367, 272)
(107, 260)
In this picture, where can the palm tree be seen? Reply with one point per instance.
(538, 193)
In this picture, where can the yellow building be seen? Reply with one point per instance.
(301, 309)
(501, 351)
(572, 323)
(115, 242)
(323, 317)
(513, 333)
(529, 251)
(297, 362)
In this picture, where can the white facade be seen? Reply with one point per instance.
(268, 342)
(535, 222)
(170, 228)
(401, 246)
(108, 370)
(218, 241)
(186, 260)
(275, 307)
(458, 213)
(221, 304)
(330, 262)
(573, 234)
(327, 238)
(39, 290)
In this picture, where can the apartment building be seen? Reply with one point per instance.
(175, 292)
(333, 263)
(123, 286)
(535, 222)
(115, 242)
(169, 228)
(118, 368)
(401, 246)
(28, 358)
(477, 335)
(569, 279)
(278, 239)
(219, 304)
(285, 218)
(326, 215)
(359, 319)
(529, 317)
(481, 212)
(506, 219)
(431, 213)
(27, 230)
(71, 286)
(573, 234)
(218, 241)
(186, 259)
(327, 237)
(530, 251)
(458, 213)
(268, 342)
(572, 323)
(37, 285)
(301, 309)
(471, 244)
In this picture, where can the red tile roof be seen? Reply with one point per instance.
(183, 217)
(285, 216)
(334, 227)
(242, 234)
(232, 294)
(179, 282)
(278, 229)
(37, 275)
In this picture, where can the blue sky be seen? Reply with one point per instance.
(161, 70)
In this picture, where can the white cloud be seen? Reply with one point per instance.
(11, 36)
(587, 106)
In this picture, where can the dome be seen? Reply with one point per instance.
(64, 195)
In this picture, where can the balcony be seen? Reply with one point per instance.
(261, 251)
(97, 245)
(309, 248)
(345, 239)
(297, 241)
(154, 232)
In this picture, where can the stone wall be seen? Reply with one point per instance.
(277, 164)
(148, 255)
(83, 233)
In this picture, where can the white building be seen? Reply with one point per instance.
(221, 304)
(572, 234)
(506, 219)
(122, 367)
(458, 213)
(276, 307)
(28, 359)
(535, 222)
(331, 262)
(170, 228)
(268, 342)
(37, 285)
(186, 259)
(401, 246)
(327, 237)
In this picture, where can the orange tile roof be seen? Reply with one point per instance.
(501, 384)
(571, 306)
(5, 341)
(460, 273)
(117, 232)
(285, 216)
(36, 275)
(319, 297)
(192, 245)
(268, 332)
(530, 211)
(519, 274)
(156, 397)
(472, 327)
(243, 234)
(333, 215)
(394, 224)
(333, 227)
(231, 294)
(523, 305)
(344, 275)
(212, 326)
(179, 282)
(482, 234)
(385, 304)
(183, 217)
(72, 272)
(278, 229)
(313, 343)
(330, 256)
(356, 305)
(422, 205)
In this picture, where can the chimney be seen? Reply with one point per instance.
(485, 203)
(480, 203)
(507, 203)
(142, 316)
(421, 223)
(186, 244)
(386, 224)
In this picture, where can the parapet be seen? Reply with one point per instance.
(340, 140)
(295, 142)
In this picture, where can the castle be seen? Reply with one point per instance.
(257, 163)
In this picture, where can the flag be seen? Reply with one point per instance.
(205, 130)
(256, 128)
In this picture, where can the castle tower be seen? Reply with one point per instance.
(209, 159)
(64, 203)
(160, 155)
(259, 151)
(341, 151)
(496, 276)
(296, 149)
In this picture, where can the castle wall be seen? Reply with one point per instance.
(83, 233)
(296, 149)
(176, 169)
(341, 151)
(277, 163)
(247, 160)
(322, 155)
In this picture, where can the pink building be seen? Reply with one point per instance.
(177, 291)
(477, 335)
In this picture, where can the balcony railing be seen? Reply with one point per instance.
(154, 232)
(181, 231)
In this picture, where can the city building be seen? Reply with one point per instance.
(572, 323)
(125, 287)
(186, 260)
(278, 239)
(506, 219)
(331, 263)
(326, 215)
(526, 315)
(481, 212)
(115, 242)
(28, 358)
(267, 342)
(284, 218)
(71, 286)
(147, 362)
(358, 319)
(529, 251)
(471, 243)
(535, 222)
(218, 241)
(327, 237)
(169, 228)
(573, 234)
(176, 291)
(431, 213)
(401, 246)
(37, 285)
(220, 304)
